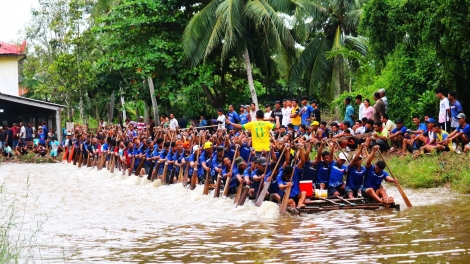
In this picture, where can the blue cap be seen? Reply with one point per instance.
(431, 120)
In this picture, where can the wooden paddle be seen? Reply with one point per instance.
(259, 200)
(206, 184)
(112, 162)
(240, 185)
(243, 196)
(217, 186)
(330, 201)
(185, 173)
(194, 176)
(141, 165)
(80, 158)
(71, 151)
(66, 152)
(402, 192)
(229, 178)
(132, 166)
(346, 201)
(75, 157)
(285, 199)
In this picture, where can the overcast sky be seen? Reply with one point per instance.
(14, 14)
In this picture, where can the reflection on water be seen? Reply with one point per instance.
(96, 216)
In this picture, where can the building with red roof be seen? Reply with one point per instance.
(13, 107)
(10, 57)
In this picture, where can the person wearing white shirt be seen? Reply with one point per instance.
(220, 119)
(268, 112)
(286, 112)
(253, 112)
(173, 122)
(22, 131)
(444, 110)
(361, 105)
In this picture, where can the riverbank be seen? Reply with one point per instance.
(447, 169)
(28, 158)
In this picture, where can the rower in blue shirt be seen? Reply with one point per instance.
(355, 177)
(375, 174)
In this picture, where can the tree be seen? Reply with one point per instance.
(323, 27)
(228, 24)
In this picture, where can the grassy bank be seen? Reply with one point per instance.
(428, 171)
(28, 158)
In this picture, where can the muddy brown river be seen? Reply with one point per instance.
(94, 216)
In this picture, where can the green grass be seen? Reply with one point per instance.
(18, 236)
(28, 158)
(447, 169)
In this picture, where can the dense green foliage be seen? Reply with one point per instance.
(100, 58)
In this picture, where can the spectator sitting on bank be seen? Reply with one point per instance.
(397, 135)
(21, 147)
(387, 123)
(7, 152)
(41, 151)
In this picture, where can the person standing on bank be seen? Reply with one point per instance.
(361, 105)
(383, 98)
(444, 110)
(316, 114)
(455, 110)
(349, 116)
(379, 108)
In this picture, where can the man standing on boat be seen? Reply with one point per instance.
(260, 131)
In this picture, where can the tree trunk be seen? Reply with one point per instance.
(249, 74)
(81, 109)
(97, 112)
(124, 113)
(111, 108)
(146, 111)
(156, 117)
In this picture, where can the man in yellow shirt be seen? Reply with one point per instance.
(260, 131)
(295, 114)
(379, 138)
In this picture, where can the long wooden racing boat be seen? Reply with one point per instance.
(314, 205)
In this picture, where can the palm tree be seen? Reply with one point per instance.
(229, 24)
(328, 31)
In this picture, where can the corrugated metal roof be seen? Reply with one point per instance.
(25, 100)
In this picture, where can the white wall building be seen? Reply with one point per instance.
(10, 56)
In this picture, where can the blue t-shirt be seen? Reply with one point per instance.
(233, 179)
(423, 127)
(310, 173)
(243, 118)
(455, 109)
(465, 129)
(403, 130)
(306, 112)
(336, 175)
(373, 180)
(274, 187)
(148, 155)
(255, 184)
(233, 117)
(295, 189)
(355, 178)
(349, 113)
(322, 171)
